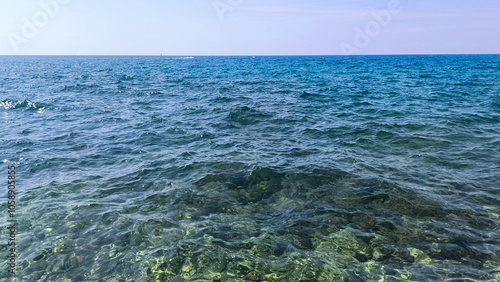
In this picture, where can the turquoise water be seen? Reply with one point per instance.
(238, 169)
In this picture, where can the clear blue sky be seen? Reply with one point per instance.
(247, 27)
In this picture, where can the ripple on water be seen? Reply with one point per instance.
(267, 169)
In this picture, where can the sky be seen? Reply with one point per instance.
(249, 27)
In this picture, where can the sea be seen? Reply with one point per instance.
(265, 168)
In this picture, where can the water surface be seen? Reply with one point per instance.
(273, 168)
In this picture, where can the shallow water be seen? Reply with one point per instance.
(273, 168)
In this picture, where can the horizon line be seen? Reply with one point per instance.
(244, 55)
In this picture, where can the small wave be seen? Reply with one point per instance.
(79, 87)
(495, 106)
(247, 116)
(154, 93)
(282, 91)
(20, 104)
(183, 58)
(125, 78)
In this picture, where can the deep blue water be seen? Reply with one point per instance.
(233, 168)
